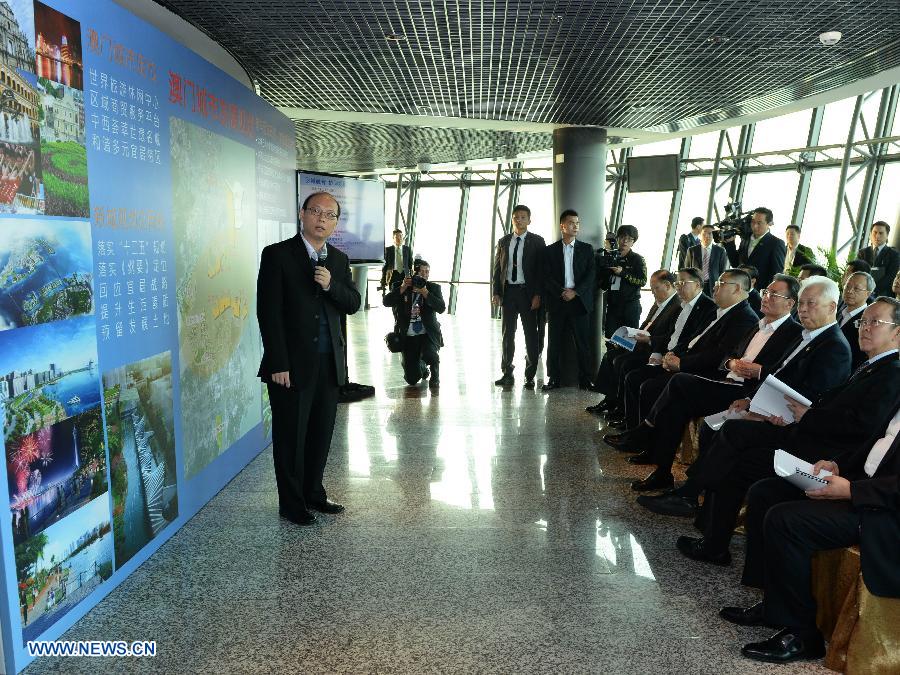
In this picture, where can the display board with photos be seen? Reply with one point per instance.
(138, 185)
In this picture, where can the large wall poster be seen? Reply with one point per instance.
(137, 186)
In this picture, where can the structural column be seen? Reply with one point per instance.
(579, 183)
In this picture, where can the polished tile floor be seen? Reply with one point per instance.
(486, 531)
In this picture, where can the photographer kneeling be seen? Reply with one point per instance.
(417, 301)
(622, 273)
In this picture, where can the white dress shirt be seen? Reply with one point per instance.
(520, 271)
(568, 263)
(881, 446)
(686, 308)
(847, 316)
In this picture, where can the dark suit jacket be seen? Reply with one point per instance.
(663, 325)
(851, 332)
(288, 303)
(767, 257)
(433, 305)
(718, 260)
(532, 264)
(824, 363)
(803, 256)
(878, 500)
(685, 242)
(707, 353)
(583, 269)
(773, 351)
(388, 266)
(632, 279)
(884, 269)
(701, 316)
(755, 300)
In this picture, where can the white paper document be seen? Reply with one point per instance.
(625, 337)
(716, 421)
(769, 399)
(799, 473)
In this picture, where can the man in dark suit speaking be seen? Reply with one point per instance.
(303, 290)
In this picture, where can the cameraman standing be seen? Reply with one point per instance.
(762, 249)
(622, 274)
(416, 302)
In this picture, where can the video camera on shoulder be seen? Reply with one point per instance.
(610, 255)
(734, 223)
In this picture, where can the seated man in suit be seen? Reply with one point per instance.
(696, 312)
(884, 260)
(418, 301)
(841, 418)
(762, 249)
(855, 295)
(702, 355)
(398, 260)
(817, 361)
(687, 396)
(569, 281)
(754, 297)
(797, 254)
(708, 257)
(659, 324)
(785, 526)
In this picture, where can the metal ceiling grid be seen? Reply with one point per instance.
(663, 65)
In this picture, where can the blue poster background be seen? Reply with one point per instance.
(166, 278)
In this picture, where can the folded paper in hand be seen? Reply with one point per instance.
(799, 473)
(769, 399)
(625, 337)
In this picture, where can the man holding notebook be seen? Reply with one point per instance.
(851, 415)
(860, 504)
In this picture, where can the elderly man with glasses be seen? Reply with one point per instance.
(857, 289)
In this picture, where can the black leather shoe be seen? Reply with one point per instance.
(617, 424)
(550, 385)
(594, 409)
(613, 411)
(744, 616)
(586, 385)
(633, 440)
(529, 383)
(786, 646)
(695, 549)
(670, 504)
(655, 481)
(327, 506)
(505, 381)
(298, 517)
(612, 440)
(643, 458)
(603, 407)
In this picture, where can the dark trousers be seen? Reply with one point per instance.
(741, 455)
(636, 380)
(569, 318)
(784, 529)
(685, 397)
(302, 425)
(621, 363)
(620, 313)
(516, 306)
(419, 351)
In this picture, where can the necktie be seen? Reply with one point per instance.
(859, 369)
(515, 269)
(705, 263)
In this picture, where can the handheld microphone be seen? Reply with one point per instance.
(320, 262)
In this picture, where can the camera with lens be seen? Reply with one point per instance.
(418, 281)
(733, 224)
(609, 255)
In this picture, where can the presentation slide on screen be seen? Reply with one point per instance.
(138, 185)
(360, 229)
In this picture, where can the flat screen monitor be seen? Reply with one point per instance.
(360, 229)
(658, 173)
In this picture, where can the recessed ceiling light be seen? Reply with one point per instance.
(395, 37)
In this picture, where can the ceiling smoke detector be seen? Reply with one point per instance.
(830, 38)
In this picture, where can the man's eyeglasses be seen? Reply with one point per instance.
(767, 293)
(719, 284)
(679, 283)
(316, 211)
(862, 323)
